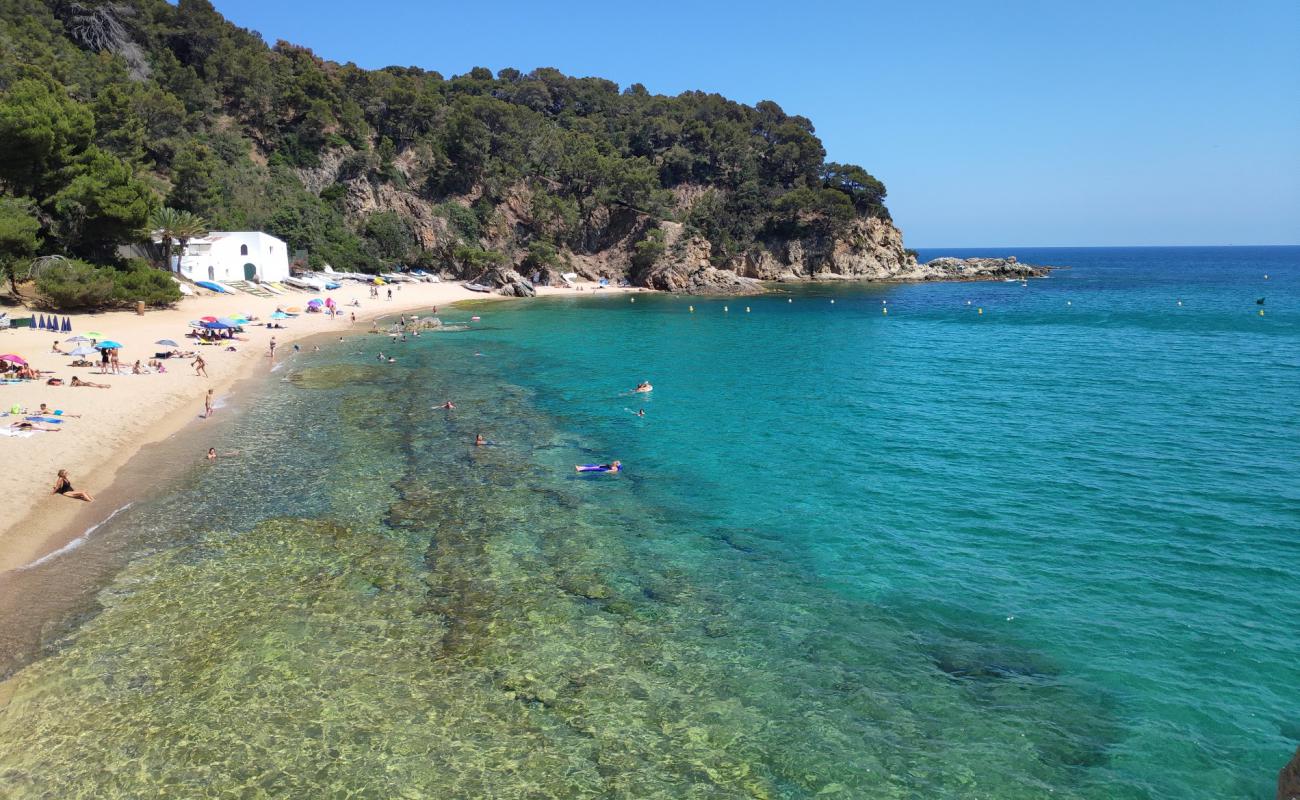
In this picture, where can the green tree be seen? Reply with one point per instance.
(20, 237)
(196, 186)
(102, 206)
(162, 226)
(41, 131)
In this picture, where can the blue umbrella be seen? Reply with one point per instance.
(279, 315)
(216, 326)
(40, 321)
(67, 324)
(229, 322)
(108, 345)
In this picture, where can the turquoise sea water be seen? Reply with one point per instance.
(1046, 550)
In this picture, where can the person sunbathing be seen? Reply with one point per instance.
(46, 411)
(79, 382)
(33, 426)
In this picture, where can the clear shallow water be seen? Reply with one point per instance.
(1044, 550)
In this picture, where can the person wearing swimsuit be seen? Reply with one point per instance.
(63, 486)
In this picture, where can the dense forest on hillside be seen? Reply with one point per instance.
(111, 110)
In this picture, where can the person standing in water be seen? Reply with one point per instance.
(63, 486)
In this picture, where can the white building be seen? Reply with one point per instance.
(235, 256)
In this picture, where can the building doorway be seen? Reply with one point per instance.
(212, 273)
(250, 272)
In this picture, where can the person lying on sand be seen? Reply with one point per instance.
(33, 426)
(46, 411)
(79, 382)
(63, 486)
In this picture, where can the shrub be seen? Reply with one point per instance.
(140, 283)
(73, 285)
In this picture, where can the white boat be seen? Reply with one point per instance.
(310, 284)
(477, 287)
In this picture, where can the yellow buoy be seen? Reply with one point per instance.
(884, 311)
(1261, 312)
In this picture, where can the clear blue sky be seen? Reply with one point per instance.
(997, 123)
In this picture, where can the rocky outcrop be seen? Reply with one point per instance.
(1288, 781)
(507, 282)
(972, 269)
(869, 249)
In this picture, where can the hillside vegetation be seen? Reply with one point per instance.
(109, 111)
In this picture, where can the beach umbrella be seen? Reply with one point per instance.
(315, 301)
(216, 326)
(67, 324)
(108, 345)
(329, 302)
(227, 321)
(293, 309)
(279, 315)
(78, 339)
(167, 343)
(82, 351)
(94, 334)
(13, 359)
(207, 319)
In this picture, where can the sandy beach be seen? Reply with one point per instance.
(104, 428)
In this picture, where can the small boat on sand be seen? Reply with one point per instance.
(477, 287)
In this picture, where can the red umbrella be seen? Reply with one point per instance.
(13, 359)
(208, 319)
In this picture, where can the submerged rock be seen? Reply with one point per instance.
(1288, 780)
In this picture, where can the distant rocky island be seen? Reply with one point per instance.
(111, 110)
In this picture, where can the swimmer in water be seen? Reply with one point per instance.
(448, 405)
(479, 441)
(643, 386)
(640, 412)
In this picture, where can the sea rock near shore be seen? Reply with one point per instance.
(1288, 780)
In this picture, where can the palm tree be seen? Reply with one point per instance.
(162, 227)
(189, 226)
